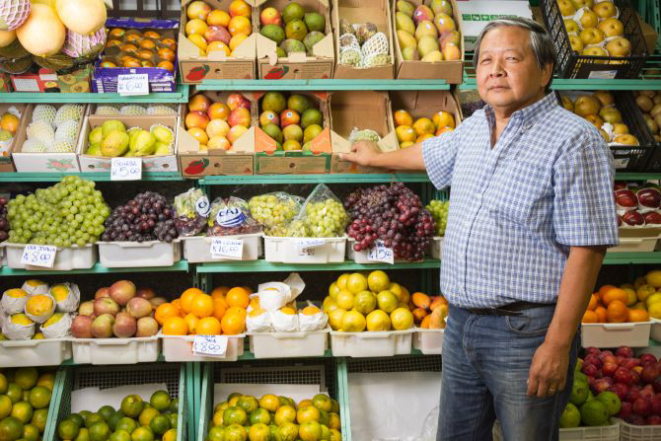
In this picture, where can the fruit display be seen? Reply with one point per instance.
(148, 216)
(53, 130)
(637, 207)
(217, 125)
(322, 215)
(10, 122)
(649, 101)
(191, 212)
(121, 310)
(131, 48)
(632, 382)
(288, 318)
(223, 312)
(393, 214)
(136, 110)
(616, 305)
(594, 29)
(153, 420)
(275, 211)
(427, 33)
(231, 216)
(25, 395)
(586, 409)
(410, 132)
(295, 29)
(363, 45)
(439, 211)
(429, 312)
(356, 303)
(112, 139)
(244, 417)
(600, 110)
(215, 30)
(69, 213)
(293, 122)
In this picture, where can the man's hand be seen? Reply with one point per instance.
(362, 153)
(548, 371)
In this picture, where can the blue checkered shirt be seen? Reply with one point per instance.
(516, 208)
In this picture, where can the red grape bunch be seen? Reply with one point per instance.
(4, 222)
(146, 217)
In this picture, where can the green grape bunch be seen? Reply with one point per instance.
(439, 211)
(325, 218)
(71, 212)
(275, 211)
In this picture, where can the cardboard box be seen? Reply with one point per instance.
(649, 34)
(476, 14)
(36, 79)
(6, 164)
(451, 71)
(165, 163)
(76, 81)
(5, 83)
(296, 66)
(44, 162)
(362, 110)
(196, 163)
(361, 11)
(195, 68)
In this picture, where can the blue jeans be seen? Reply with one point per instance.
(486, 360)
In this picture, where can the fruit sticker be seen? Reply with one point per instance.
(276, 73)
(63, 165)
(198, 73)
(197, 167)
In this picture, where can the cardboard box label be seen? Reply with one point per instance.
(295, 71)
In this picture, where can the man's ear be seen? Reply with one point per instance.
(547, 74)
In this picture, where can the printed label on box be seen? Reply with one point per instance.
(39, 255)
(210, 345)
(602, 75)
(226, 248)
(126, 169)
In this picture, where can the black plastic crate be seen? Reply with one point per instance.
(571, 64)
(160, 9)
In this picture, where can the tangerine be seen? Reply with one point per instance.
(187, 298)
(208, 326)
(238, 296)
(175, 326)
(602, 315)
(617, 312)
(221, 290)
(236, 310)
(192, 321)
(638, 315)
(594, 300)
(233, 324)
(164, 312)
(219, 307)
(615, 294)
(604, 289)
(202, 305)
(177, 304)
(590, 317)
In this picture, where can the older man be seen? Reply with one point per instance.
(531, 216)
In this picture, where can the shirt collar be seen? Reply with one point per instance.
(530, 114)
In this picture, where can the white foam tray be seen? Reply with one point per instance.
(180, 348)
(66, 259)
(289, 344)
(46, 352)
(115, 350)
(197, 249)
(285, 250)
(613, 335)
(371, 344)
(428, 341)
(134, 254)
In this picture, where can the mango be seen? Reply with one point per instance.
(426, 45)
(404, 23)
(433, 56)
(406, 39)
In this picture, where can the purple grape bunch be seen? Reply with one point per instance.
(4, 222)
(146, 217)
(393, 214)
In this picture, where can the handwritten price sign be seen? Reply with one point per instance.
(380, 253)
(39, 255)
(210, 345)
(131, 85)
(227, 248)
(306, 244)
(126, 169)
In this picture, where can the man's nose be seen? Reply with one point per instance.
(497, 70)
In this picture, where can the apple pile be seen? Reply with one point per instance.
(217, 125)
(636, 381)
(409, 132)
(292, 122)
(599, 109)
(594, 29)
(121, 310)
(293, 29)
(638, 207)
(216, 30)
(649, 101)
(427, 33)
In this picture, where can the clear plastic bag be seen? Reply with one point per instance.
(323, 215)
(231, 216)
(191, 212)
(275, 211)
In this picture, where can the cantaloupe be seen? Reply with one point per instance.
(7, 38)
(82, 16)
(43, 33)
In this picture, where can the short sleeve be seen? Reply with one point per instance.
(583, 206)
(439, 154)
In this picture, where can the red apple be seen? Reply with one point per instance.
(605, 353)
(633, 218)
(590, 370)
(624, 351)
(656, 405)
(652, 218)
(594, 359)
(636, 420)
(239, 117)
(647, 392)
(649, 198)
(592, 350)
(620, 359)
(653, 420)
(623, 375)
(602, 384)
(647, 358)
(634, 394)
(635, 376)
(609, 369)
(625, 410)
(649, 374)
(642, 407)
(620, 389)
(619, 185)
(626, 199)
(102, 292)
(632, 363)
(657, 385)
(608, 358)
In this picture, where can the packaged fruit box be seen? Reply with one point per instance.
(11, 121)
(216, 41)
(295, 39)
(429, 40)
(138, 47)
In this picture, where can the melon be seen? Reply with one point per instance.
(82, 16)
(13, 13)
(43, 33)
(7, 38)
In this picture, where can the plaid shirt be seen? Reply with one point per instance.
(516, 208)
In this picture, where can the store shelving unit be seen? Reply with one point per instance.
(182, 265)
(180, 96)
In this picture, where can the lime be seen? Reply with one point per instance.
(160, 400)
(334, 421)
(3, 384)
(571, 417)
(68, 430)
(235, 415)
(114, 419)
(260, 416)
(611, 401)
(92, 419)
(147, 415)
(170, 435)
(83, 434)
(40, 397)
(26, 378)
(25, 396)
(120, 435)
(216, 433)
(335, 406)
(99, 431)
(335, 435)
(174, 420)
(142, 434)
(39, 418)
(322, 402)
(84, 413)
(77, 418)
(160, 424)
(5, 406)
(11, 429)
(47, 380)
(579, 393)
(23, 411)
(274, 431)
(30, 432)
(285, 414)
(14, 392)
(235, 432)
(174, 405)
(325, 433)
(127, 424)
(106, 412)
(132, 406)
(594, 413)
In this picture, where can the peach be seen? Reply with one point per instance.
(239, 117)
(239, 8)
(122, 291)
(220, 142)
(217, 127)
(288, 117)
(236, 132)
(236, 100)
(270, 16)
(218, 18)
(198, 10)
(196, 119)
(219, 111)
(81, 327)
(196, 26)
(268, 117)
(240, 25)
(217, 33)
(199, 102)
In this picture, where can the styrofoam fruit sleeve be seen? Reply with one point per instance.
(14, 331)
(377, 44)
(72, 300)
(42, 318)
(275, 295)
(282, 322)
(59, 329)
(313, 322)
(33, 287)
(260, 323)
(13, 305)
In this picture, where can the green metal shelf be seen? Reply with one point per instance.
(264, 266)
(632, 258)
(565, 84)
(638, 176)
(99, 177)
(182, 265)
(348, 178)
(180, 96)
(323, 85)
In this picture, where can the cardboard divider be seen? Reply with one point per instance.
(361, 11)
(296, 66)
(195, 68)
(363, 110)
(239, 160)
(6, 164)
(451, 71)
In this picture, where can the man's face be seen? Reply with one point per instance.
(508, 77)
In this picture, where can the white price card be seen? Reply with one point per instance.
(226, 248)
(126, 169)
(134, 84)
(210, 345)
(380, 253)
(39, 255)
(306, 244)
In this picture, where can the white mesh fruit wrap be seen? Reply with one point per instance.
(377, 60)
(33, 146)
(67, 132)
(68, 112)
(79, 45)
(161, 110)
(107, 110)
(44, 112)
(13, 14)
(378, 44)
(41, 131)
(133, 110)
(62, 147)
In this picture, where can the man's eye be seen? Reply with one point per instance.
(485, 60)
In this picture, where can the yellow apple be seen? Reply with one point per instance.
(611, 27)
(611, 115)
(567, 9)
(626, 139)
(571, 26)
(595, 51)
(605, 9)
(576, 43)
(592, 36)
(619, 47)
(620, 129)
(586, 105)
(595, 120)
(589, 19)
(567, 103)
(605, 98)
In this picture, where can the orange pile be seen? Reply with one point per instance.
(615, 305)
(429, 312)
(198, 313)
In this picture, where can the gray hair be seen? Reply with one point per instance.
(540, 40)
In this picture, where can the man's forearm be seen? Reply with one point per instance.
(576, 288)
(404, 159)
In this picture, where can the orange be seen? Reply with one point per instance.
(164, 312)
(175, 326)
(617, 312)
(238, 296)
(615, 294)
(601, 314)
(638, 315)
(187, 298)
(236, 310)
(590, 317)
(233, 324)
(604, 289)
(208, 326)
(191, 321)
(177, 303)
(202, 305)
(594, 300)
(219, 291)
(219, 307)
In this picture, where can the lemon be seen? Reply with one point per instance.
(356, 283)
(335, 318)
(654, 298)
(378, 281)
(378, 320)
(353, 321)
(401, 319)
(345, 299)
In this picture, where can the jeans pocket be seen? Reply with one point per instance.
(531, 322)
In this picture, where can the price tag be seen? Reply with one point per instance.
(380, 253)
(126, 169)
(226, 248)
(131, 85)
(202, 206)
(306, 244)
(210, 345)
(39, 255)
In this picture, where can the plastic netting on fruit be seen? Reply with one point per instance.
(191, 212)
(377, 44)
(323, 214)
(275, 211)
(230, 217)
(363, 135)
